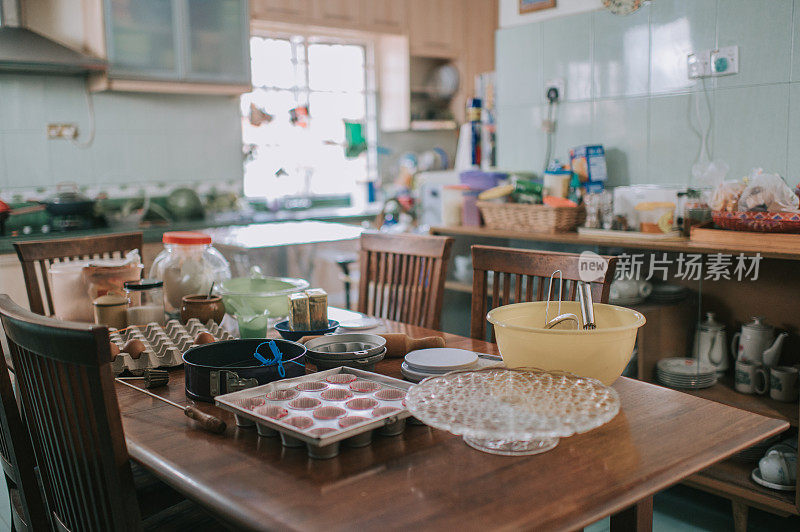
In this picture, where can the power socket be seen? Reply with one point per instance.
(725, 61)
(559, 85)
(62, 131)
(698, 64)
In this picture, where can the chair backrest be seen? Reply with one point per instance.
(522, 275)
(37, 256)
(402, 277)
(67, 392)
(16, 456)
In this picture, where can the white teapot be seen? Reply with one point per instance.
(757, 343)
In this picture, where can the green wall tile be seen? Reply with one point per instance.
(678, 27)
(751, 128)
(621, 53)
(518, 57)
(763, 31)
(567, 54)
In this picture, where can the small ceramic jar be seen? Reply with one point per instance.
(202, 307)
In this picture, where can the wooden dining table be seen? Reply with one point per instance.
(428, 478)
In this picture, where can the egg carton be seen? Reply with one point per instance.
(164, 345)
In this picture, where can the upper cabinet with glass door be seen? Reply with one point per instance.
(200, 42)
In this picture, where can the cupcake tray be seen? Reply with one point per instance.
(164, 345)
(323, 410)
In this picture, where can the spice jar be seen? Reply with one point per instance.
(111, 310)
(145, 302)
(187, 265)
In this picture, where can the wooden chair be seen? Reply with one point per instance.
(28, 512)
(402, 277)
(70, 407)
(37, 256)
(521, 275)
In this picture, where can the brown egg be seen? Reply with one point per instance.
(134, 348)
(204, 337)
(114, 350)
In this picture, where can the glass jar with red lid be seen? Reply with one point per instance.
(187, 265)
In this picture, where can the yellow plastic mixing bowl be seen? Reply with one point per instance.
(601, 353)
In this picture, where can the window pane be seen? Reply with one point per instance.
(336, 67)
(271, 63)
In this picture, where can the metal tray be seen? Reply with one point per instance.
(241, 404)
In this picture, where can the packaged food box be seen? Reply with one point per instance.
(589, 164)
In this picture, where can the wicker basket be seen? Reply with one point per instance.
(531, 218)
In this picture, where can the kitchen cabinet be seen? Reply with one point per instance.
(282, 10)
(435, 27)
(178, 40)
(217, 40)
(384, 15)
(345, 13)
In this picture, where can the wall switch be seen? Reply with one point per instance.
(559, 85)
(698, 64)
(62, 131)
(725, 61)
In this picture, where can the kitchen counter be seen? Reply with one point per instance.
(153, 233)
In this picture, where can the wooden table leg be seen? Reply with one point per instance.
(740, 511)
(638, 517)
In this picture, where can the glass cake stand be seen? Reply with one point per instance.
(512, 412)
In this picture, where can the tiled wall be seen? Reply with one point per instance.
(627, 88)
(141, 138)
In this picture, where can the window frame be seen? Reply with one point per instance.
(328, 36)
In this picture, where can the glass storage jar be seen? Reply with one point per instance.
(187, 265)
(145, 302)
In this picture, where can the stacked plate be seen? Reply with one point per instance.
(686, 373)
(424, 363)
(668, 293)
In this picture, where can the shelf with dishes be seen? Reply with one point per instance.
(723, 392)
(732, 478)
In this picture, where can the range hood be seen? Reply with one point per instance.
(23, 50)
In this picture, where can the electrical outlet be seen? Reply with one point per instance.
(559, 85)
(725, 61)
(62, 131)
(698, 64)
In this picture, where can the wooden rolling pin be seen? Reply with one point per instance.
(398, 345)
(206, 421)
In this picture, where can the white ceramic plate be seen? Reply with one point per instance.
(440, 359)
(685, 367)
(756, 476)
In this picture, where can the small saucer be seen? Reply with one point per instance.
(756, 476)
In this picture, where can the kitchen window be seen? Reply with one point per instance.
(290, 155)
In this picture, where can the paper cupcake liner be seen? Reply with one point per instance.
(361, 403)
(341, 378)
(336, 394)
(311, 386)
(383, 410)
(300, 422)
(271, 411)
(349, 421)
(282, 395)
(390, 394)
(365, 386)
(304, 403)
(329, 412)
